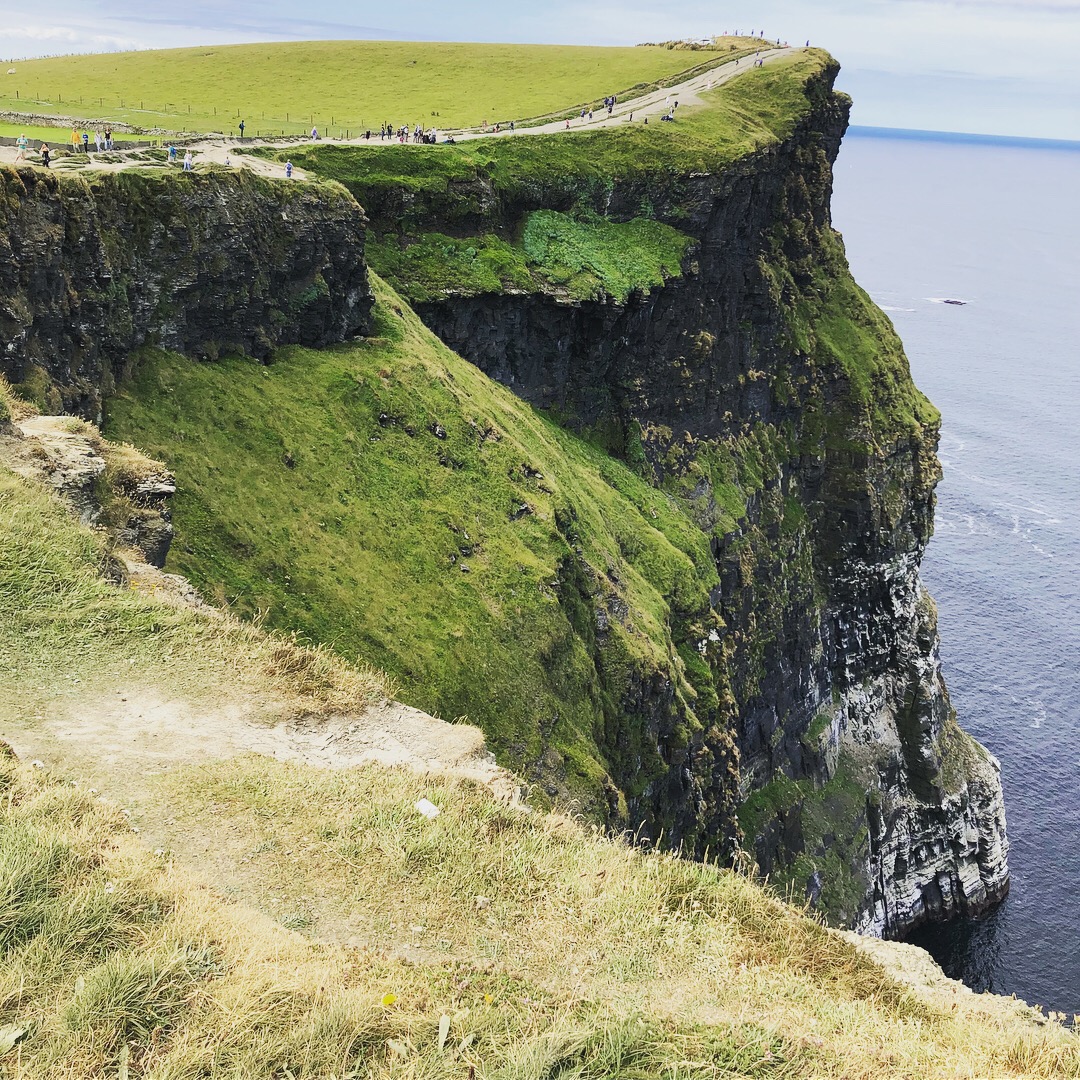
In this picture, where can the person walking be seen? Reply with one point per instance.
(45, 154)
(241, 129)
(288, 170)
(20, 143)
(86, 142)
(108, 138)
(187, 161)
(74, 141)
(314, 134)
(97, 141)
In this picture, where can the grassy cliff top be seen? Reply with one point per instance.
(758, 109)
(288, 86)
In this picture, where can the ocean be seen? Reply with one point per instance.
(996, 226)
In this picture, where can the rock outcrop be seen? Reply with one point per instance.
(94, 268)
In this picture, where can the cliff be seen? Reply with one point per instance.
(91, 269)
(738, 367)
(681, 593)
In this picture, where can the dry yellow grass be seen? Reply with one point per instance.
(549, 951)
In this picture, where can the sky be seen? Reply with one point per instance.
(998, 67)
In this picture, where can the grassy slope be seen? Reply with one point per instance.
(584, 958)
(64, 631)
(297, 498)
(285, 86)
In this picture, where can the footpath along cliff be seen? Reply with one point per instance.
(732, 646)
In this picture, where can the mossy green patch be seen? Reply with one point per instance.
(579, 258)
(593, 258)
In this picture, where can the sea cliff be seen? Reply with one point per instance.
(691, 606)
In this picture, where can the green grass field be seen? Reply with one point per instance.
(285, 87)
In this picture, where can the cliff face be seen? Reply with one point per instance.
(765, 392)
(91, 269)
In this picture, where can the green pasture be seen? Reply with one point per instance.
(286, 87)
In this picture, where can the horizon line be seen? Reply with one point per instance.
(927, 135)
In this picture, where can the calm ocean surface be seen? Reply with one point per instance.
(999, 228)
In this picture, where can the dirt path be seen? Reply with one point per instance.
(648, 107)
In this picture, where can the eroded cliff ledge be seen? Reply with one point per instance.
(91, 269)
(760, 387)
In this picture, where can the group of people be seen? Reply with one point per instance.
(103, 140)
(402, 134)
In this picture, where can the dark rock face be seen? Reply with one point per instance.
(833, 728)
(94, 268)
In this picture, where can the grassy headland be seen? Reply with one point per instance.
(288, 86)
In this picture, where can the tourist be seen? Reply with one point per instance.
(108, 138)
(74, 141)
(314, 134)
(241, 126)
(187, 161)
(20, 142)
(86, 142)
(97, 141)
(172, 154)
(45, 154)
(288, 170)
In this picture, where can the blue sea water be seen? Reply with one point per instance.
(999, 228)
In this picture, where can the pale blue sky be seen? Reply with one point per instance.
(1006, 67)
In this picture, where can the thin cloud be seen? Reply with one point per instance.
(69, 37)
(1018, 7)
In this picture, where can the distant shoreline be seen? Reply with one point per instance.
(861, 132)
